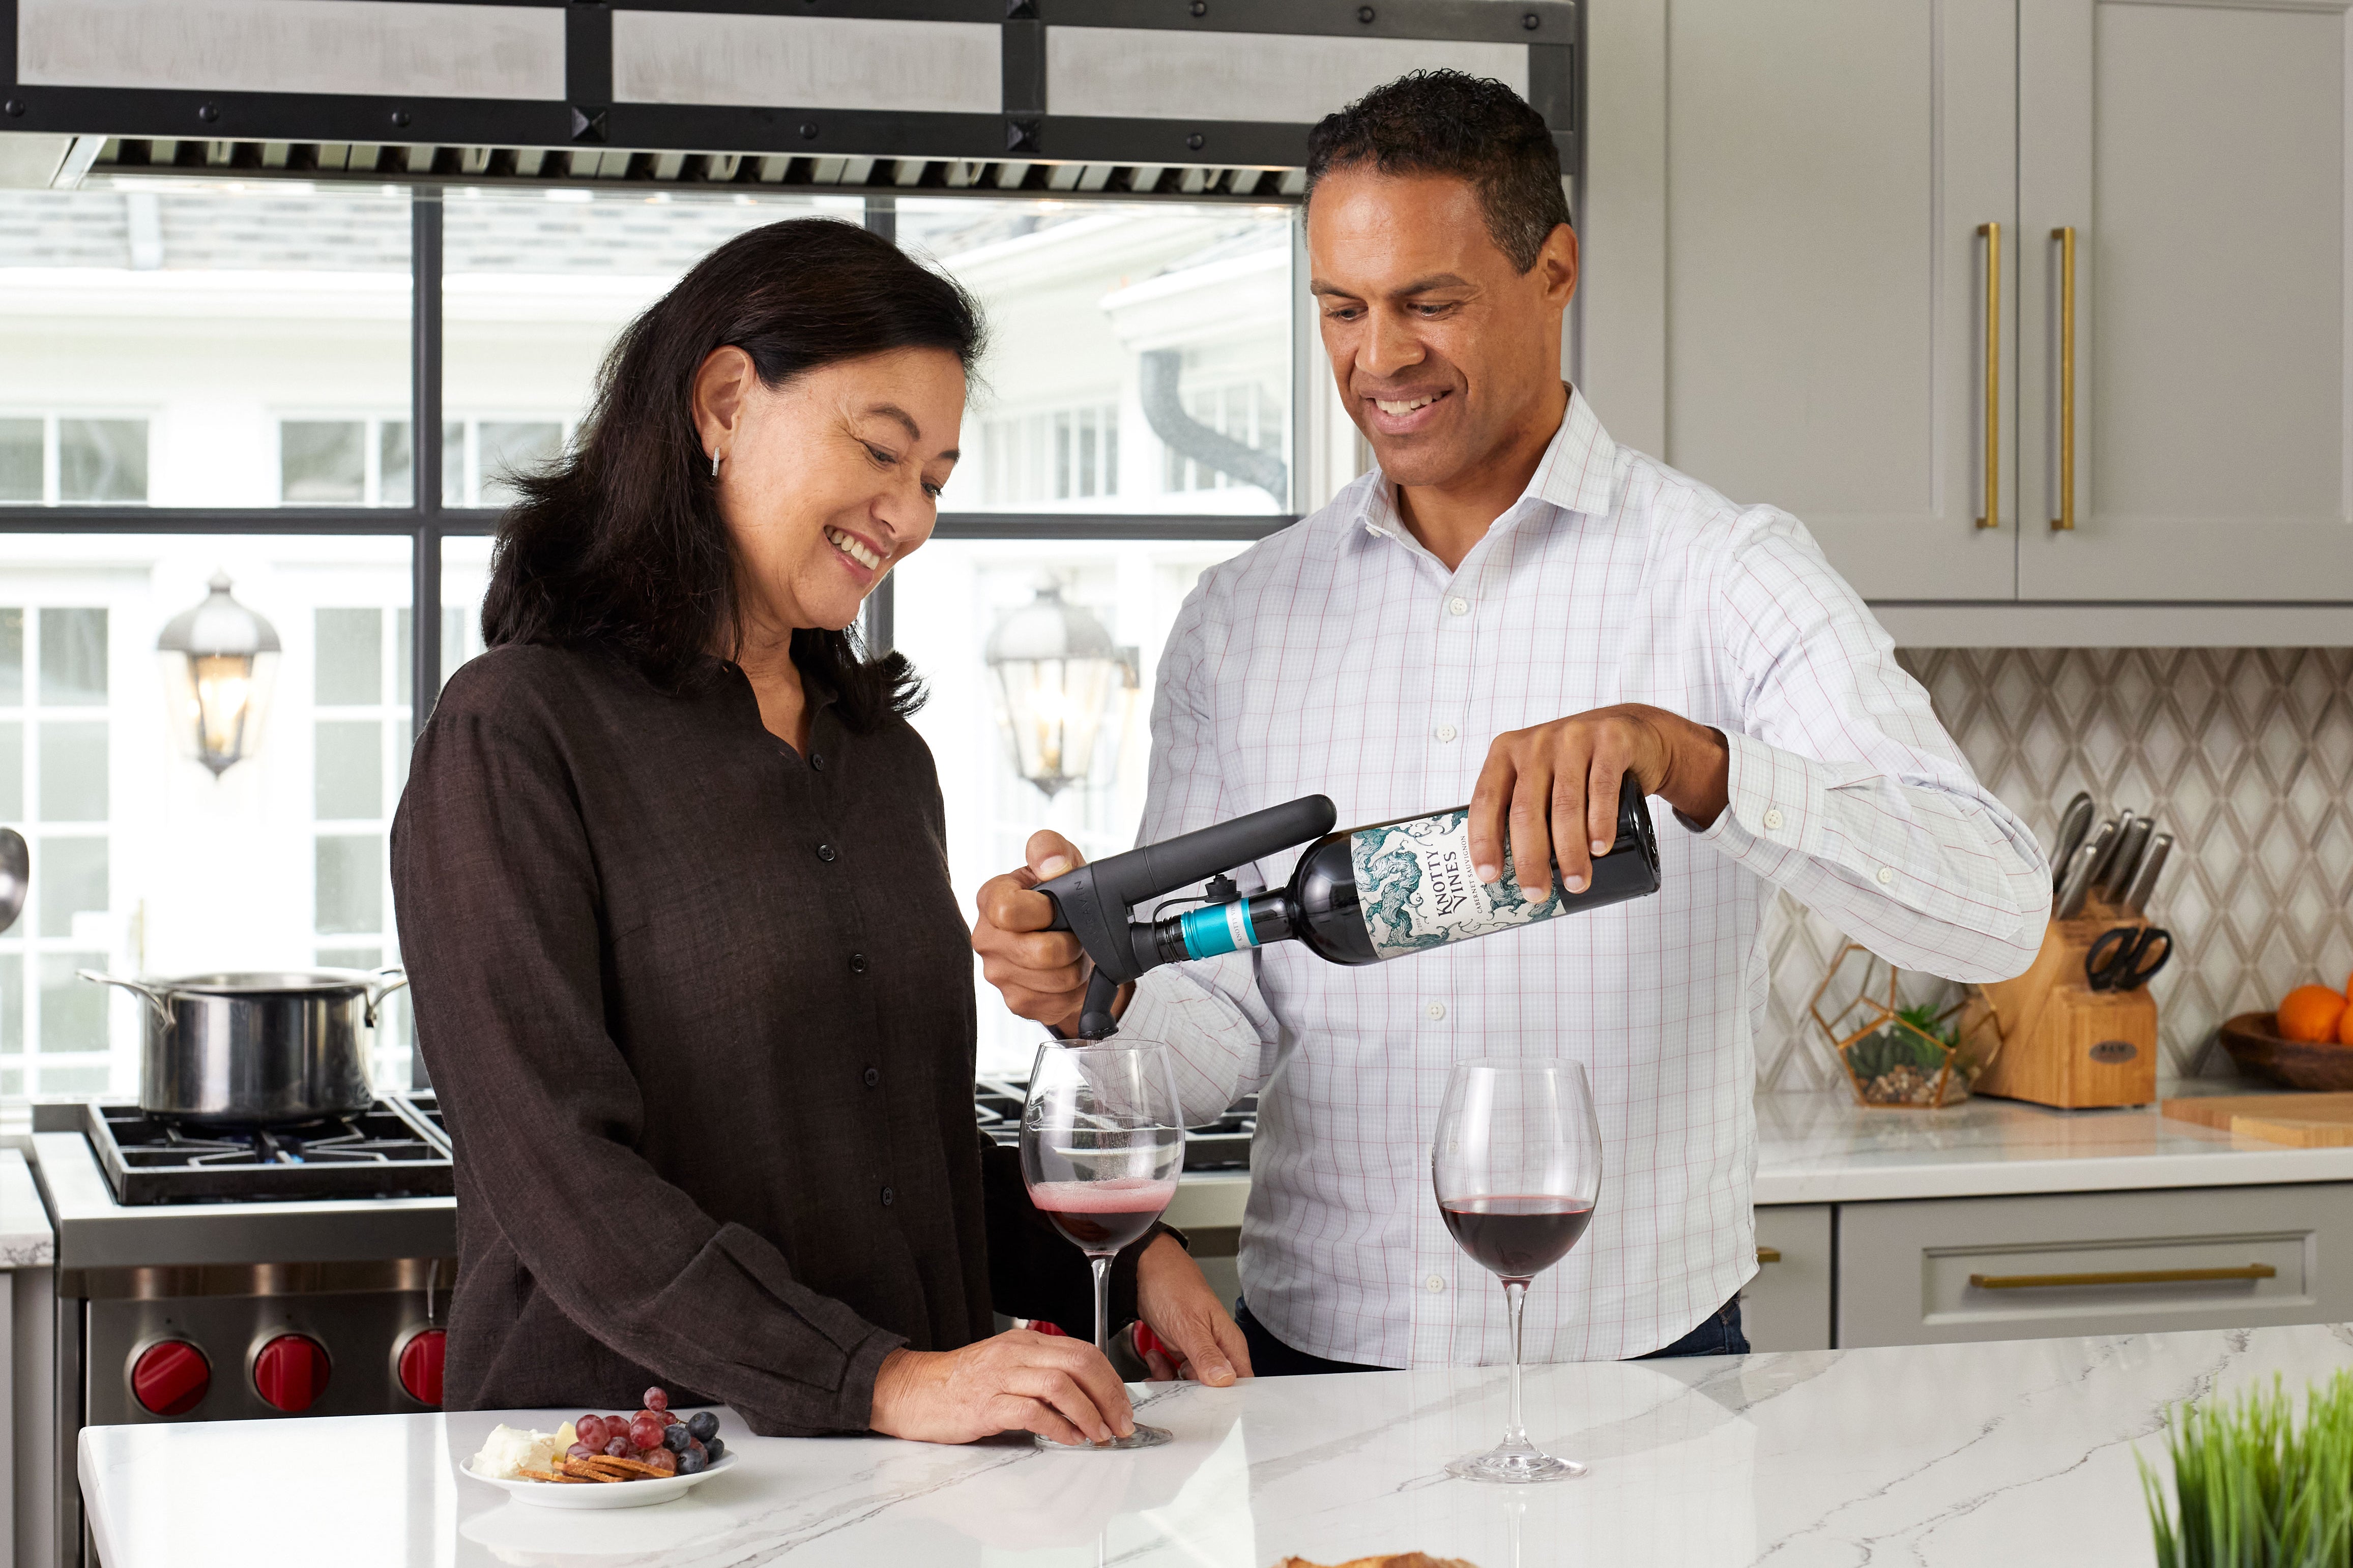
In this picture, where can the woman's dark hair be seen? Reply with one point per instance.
(1446, 122)
(620, 544)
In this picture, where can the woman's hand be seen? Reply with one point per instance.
(1017, 1381)
(1178, 1305)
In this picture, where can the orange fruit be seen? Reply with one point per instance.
(2311, 1014)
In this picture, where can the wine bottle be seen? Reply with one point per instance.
(1366, 894)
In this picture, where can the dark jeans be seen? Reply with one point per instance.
(1270, 1357)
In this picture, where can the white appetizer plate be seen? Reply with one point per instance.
(600, 1494)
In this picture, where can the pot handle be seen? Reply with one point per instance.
(380, 987)
(154, 998)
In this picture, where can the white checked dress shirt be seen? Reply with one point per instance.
(1341, 658)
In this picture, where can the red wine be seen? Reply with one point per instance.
(1103, 1217)
(1517, 1237)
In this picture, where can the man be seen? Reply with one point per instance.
(1515, 610)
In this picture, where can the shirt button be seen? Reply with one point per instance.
(1886, 875)
(873, 1077)
(825, 852)
(889, 1197)
(1436, 1010)
(817, 760)
(1435, 1284)
(1458, 605)
(1772, 821)
(1444, 731)
(857, 963)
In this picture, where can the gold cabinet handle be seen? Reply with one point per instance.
(1768, 1255)
(1992, 517)
(2066, 521)
(2124, 1276)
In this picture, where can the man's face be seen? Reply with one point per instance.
(1442, 349)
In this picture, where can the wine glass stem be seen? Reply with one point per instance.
(1101, 1264)
(1516, 1299)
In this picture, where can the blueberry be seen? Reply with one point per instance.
(703, 1425)
(690, 1462)
(715, 1447)
(675, 1439)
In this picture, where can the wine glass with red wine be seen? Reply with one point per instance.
(1102, 1142)
(1517, 1166)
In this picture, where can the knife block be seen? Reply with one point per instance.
(2063, 1043)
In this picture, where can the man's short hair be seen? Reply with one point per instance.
(1446, 122)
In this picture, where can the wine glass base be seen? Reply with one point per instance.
(1141, 1437)
(1514, 1466)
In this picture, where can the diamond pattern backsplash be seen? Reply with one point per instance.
(2245, 755)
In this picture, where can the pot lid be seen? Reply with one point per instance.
(260, 982)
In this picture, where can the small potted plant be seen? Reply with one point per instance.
(1893, 1055)
(2252, 1488)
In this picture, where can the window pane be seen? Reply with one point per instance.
(102, 460)
(350, 883)
(73, 772)
(509, 447)
(12, 771)
(537, 285)
(322, 461)
(349, 783)
(395, 465)
(73, 657)
(11, 657)
(167, 326)
(351, 657)
(69, 881)
(20, 461)
(465, 574)
(73, 1016)
(12, 1004)
(951, 595)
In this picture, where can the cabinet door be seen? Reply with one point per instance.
(1828, 166)
(2198, 150)
(1786, 1307)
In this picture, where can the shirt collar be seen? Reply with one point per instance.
(1576, 473)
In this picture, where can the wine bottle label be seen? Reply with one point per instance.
(1417, 889)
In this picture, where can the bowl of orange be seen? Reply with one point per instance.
(2305, 1043)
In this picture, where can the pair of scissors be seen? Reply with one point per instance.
(2123, 959)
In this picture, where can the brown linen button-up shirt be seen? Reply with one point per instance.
(699, 1012)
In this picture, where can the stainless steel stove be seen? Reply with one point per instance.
(211, 1277)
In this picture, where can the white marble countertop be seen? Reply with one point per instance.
(25, 1241)
(1824, 1148)
(1969, 1454)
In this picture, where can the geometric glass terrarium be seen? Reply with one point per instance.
(1893, 1054)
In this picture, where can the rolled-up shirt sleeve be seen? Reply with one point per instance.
(1845, 791)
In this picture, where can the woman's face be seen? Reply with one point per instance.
(830, 480)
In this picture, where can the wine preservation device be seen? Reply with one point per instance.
(1357, 897)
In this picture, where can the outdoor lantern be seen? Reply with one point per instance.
(1055, 673)
(219, 660)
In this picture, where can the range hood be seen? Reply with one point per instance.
(1189, 100)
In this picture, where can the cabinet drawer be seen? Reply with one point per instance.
(2092, 1263)
(1788, 1306)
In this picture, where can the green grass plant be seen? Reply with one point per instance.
(2252, 1488)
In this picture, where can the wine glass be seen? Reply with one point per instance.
(1517, 1167)
(1102, 1142)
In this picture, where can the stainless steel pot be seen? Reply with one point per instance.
(257, 1050)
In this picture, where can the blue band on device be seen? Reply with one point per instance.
(1217, 928)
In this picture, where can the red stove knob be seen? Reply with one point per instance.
(171, 1378)
(420, 1365)
(290, 1372)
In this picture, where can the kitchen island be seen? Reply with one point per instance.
(2019, 1452)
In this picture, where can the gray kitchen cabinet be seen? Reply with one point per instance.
(1786, 1307)
(1939, 1270)
(1798, 192)
(2198, 150)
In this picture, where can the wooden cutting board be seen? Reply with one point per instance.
(2298, 1120)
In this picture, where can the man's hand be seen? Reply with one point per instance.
(1178, 1306)
(1017, 1381)
(1555, 788)
(1042, 973)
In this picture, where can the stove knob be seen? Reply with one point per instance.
(171, 1378)
(290, 1372)
(420, 1365)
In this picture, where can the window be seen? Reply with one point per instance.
(247, 348)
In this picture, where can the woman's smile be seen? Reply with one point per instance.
(856, 549)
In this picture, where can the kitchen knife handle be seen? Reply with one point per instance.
(2144, 882)
(2066, 521)
(1992, 517)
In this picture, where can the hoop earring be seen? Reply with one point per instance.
(714, 465)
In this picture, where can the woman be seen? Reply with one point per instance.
(674, 901)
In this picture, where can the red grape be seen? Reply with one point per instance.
(662, 1459)
(646, 1432)
(591, 1429)
(619, 1448)
(579, 1451)
(656, 1399)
